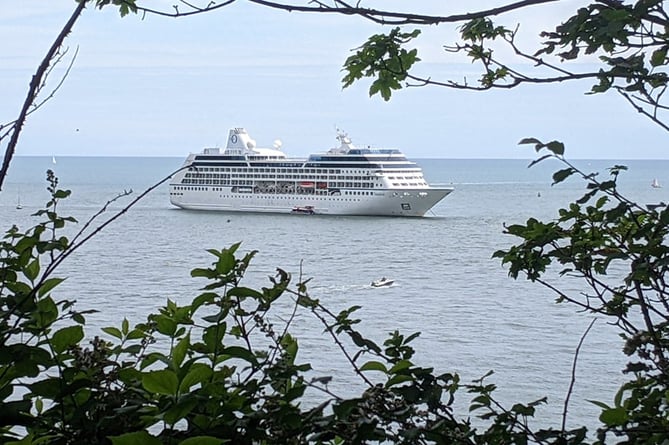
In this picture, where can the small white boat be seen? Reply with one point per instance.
(383, 282)
(655, 184)
(306, 210)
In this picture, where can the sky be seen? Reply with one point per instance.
(158, 86)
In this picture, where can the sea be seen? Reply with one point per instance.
(472, 317)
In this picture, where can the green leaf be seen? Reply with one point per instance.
(202, 273)
(532, 141)
(179, 410)
(67, 337)
(563, 174)
(400, 366)
(135, 438)
(290, 345)
(239, 291)
(614, 416)
(536, 161)
(205, 298)
(397, 379)
(373, 365)
(239, 352)
(602, 405)
(659, 56)
(179, 351)
(607, 185)
(213, 337)
(226, 262)
(165, 325)
(161, 382)
(344, 408)
(48, 285)
(114, 332)
(556, 147)
(585, 198)
(62, 194)
(31, 271)
(49, 388)
(198, 373)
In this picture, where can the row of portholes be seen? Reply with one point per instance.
(311, 198)
(203, 189)
(220, 189)
(292, 198)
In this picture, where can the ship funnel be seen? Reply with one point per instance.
(239, 140)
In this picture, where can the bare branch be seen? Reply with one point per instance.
(399, 18)
(573, 375)
(641, 110)
(340, 7)
(195, 10)
(84, 239)
(57, 87)
(35, 84)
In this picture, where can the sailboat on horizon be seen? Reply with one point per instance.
(655, 184)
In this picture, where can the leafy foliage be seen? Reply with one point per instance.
(619, 249)
(614, 31)
(219, 369)
(383, 57)
(625, 42)
(125, 6)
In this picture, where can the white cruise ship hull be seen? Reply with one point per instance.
(405, 202)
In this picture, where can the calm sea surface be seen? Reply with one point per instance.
(472, 317)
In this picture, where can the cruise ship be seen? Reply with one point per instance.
(345, 180)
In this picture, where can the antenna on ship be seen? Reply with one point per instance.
(277, 144)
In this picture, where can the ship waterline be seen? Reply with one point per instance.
(406, 203)
(343, 181)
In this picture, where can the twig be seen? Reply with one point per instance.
(573, 375)
(98, 229)
(34, 88)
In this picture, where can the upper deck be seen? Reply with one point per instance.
(241, 151)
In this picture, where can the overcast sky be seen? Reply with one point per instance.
(166, 87)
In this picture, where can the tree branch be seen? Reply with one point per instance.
(35, 84)
(383, 17)
(573, 375)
